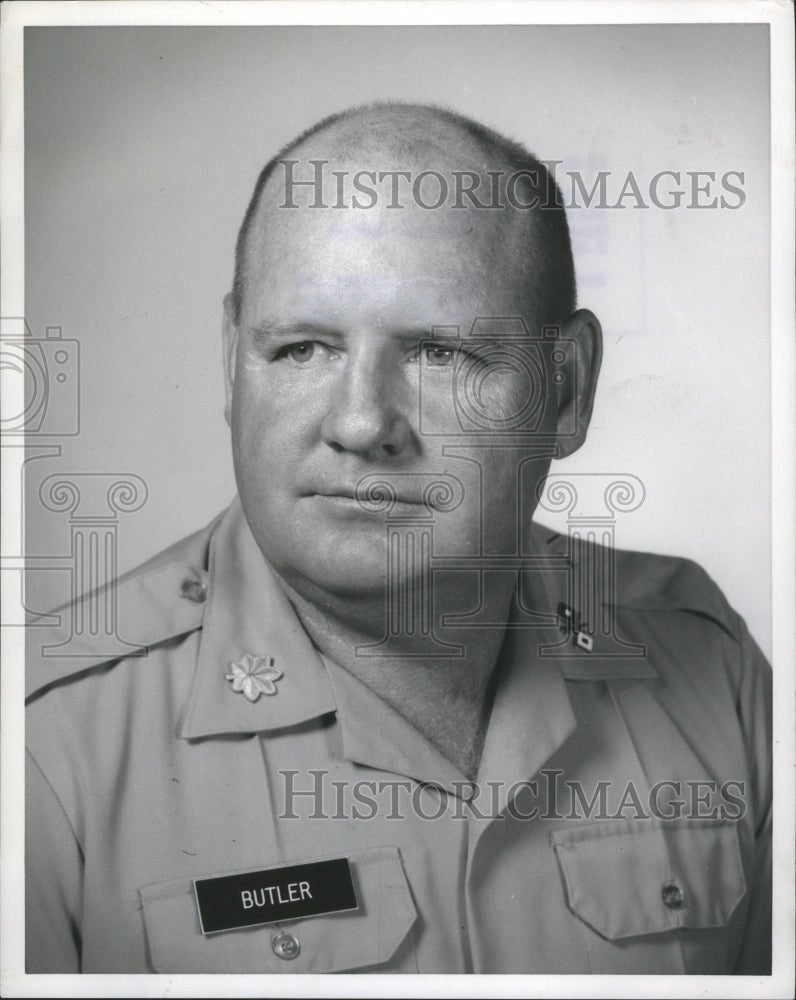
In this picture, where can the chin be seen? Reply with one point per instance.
(349, 567)
(324, 585)
(361, 572)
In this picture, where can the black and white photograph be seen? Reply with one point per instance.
(398, 475)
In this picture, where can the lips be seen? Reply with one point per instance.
(367, 496)
(340, 492)
(368, 501)
(379, 492)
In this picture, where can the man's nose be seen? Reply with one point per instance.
(366, 415)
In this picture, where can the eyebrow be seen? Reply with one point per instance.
(309, 330)
(268, 330)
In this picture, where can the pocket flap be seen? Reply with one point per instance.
(333, 942)
(629, 878)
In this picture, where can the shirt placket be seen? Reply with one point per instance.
(531, 718)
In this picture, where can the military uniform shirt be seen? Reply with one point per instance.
(147, 770)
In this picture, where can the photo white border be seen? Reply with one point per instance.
(14, 16)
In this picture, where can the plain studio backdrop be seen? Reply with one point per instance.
(142, 147)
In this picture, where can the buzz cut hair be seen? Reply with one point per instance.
(548, 250)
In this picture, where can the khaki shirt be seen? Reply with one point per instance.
(570, 853)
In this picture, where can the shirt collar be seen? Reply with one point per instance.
(531, 715)
(247, 613)
(376, 735)
(548, 583)
(531, 718)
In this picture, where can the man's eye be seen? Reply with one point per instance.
(305, 351)
(439, 356)
(299, 352)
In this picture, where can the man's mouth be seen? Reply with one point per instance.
(367, 502)
(371, 502)
(382, 493)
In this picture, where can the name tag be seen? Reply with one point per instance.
(272, 894)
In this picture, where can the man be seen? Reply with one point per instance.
(383, 723)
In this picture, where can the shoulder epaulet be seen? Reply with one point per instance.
(653, 582)
(160, 600)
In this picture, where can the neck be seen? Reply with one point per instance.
(446, 697)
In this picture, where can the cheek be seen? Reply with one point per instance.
(508, 395)
(262, 459)
(272, 419)
(515, 400)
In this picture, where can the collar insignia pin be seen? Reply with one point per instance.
(254, 675)
(569, 621)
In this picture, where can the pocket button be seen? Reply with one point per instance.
(285, 945)
(673, 896)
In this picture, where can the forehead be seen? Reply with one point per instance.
(338, 254)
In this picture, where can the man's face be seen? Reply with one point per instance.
(325, 372)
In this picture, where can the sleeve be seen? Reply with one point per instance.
(755, 713)
(53, 879)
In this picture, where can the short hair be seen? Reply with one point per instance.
(548, 247)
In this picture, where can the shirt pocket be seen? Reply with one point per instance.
(653, 897)
(371, 935)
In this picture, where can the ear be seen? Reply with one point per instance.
(582, 339)
(230, 335)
